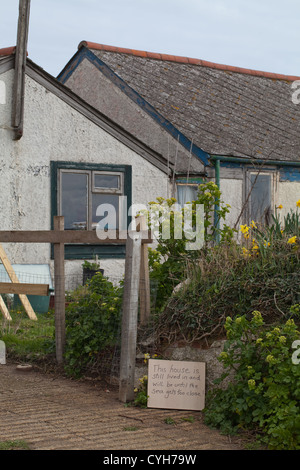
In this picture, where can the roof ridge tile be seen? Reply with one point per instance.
(186, 60)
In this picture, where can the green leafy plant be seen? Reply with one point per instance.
(92, 323)
(169, 261)
(264, 394)
(94, 266)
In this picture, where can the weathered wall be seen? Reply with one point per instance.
(54, 131)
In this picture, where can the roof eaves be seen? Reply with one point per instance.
(186, 60)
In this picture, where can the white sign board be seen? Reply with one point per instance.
(178, 385)
(2, 353)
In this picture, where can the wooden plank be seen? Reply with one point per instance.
(144, 275)
(129, 319)
(59, 283)
(4, 309)
(13, 277)
(68, 237)
(24, 288)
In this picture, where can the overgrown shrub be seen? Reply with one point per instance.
(264, 396)
(92, 323)
(169, 261)
(261, 272)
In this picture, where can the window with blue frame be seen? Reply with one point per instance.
(260, 195)
(88, 195)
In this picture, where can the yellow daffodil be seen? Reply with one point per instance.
(298, 203)
(280, 206)
(292, 240)
(253, 224)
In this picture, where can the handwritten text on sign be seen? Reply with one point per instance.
(177, 385)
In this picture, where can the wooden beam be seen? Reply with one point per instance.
(4, 309)
(59, 283)
(129, 319)
(24, 288)
(68, 237)
(13, 277)
(20, 63)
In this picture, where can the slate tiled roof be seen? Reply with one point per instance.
(225, 110)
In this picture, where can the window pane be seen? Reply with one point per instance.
(260, 206)
(186, 193)
(106, 181)
(74, 200)
(109, 210)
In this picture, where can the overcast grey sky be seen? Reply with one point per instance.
(257, 34)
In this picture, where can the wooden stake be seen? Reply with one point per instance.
(129, 320)
(13, 277)
(59, 283)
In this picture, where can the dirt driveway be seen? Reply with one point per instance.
(55, 413)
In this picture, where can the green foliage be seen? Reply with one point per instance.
(215, 211)
(92, 322)
(169, 261)
(264, 394)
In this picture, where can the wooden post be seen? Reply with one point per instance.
(59, 283)
(144, 276)
(20, 64)
(13, 277)
(129, 320)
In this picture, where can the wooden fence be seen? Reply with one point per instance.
(136, 285)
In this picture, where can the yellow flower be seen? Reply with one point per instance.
(298, 203)
(292, 240)
(280, 206)
(246, 253)
(253, 224)
(244, 228)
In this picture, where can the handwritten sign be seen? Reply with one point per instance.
(178, 385)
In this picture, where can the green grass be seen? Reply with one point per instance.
(27, 338)
(14, 445)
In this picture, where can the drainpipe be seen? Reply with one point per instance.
(20, 64)
(217, 181)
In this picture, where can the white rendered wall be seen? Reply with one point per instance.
(54, 131)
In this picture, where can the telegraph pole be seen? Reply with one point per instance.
(20, 65)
